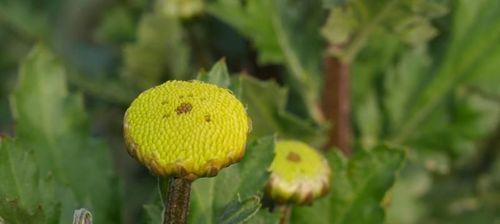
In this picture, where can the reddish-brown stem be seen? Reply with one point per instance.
(176, 199)
(337, 104)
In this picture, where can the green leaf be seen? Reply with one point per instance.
(30, 20)
(240, 211)
(278, 30)
(266, 103)
(253, 20)
(26, 196)
(180, 8)
(415, 30)
(406, 205)
(472, 49)
(159, 51)
(387, 87)
(475, 201)
(263, 216)
(374, 63)
(218, 75)
(455, 128)
(340, 25)
(402, 82)
(52, 123)
(351, 24)
(234, 194)
(153, 213)
(358, 187)
(117, 25)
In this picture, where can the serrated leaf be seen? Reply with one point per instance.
(218, 75)
(53, 123)
(402, 82)
(472, 45)
(26, 196)
(415, 30)
(240, 211)
(253, 20)
(210, 196)
(340, 25)
(404, 74)
(351, 24)
(278, 30)
(358, 188)
(266, 106)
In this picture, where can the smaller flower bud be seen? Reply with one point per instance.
(299, 174)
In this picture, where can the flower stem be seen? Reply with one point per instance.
(286, 211)
(175, 193)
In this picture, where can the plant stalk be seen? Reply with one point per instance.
(176, 200)
(337, 103)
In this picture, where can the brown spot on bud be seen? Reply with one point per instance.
(183, 108)
(294, 157)
(207, 118)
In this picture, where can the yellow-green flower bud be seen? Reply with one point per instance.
(299, 174)
(186, 129)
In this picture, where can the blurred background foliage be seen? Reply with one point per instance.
(425, 76)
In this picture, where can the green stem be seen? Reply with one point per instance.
(176, 200)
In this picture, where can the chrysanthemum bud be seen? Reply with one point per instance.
(299, 174)
(186, 129)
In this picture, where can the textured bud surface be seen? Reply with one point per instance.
(186, 129)
(299, 174)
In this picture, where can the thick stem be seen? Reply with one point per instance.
(286, 211)
(337, 104)
(176, 199)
